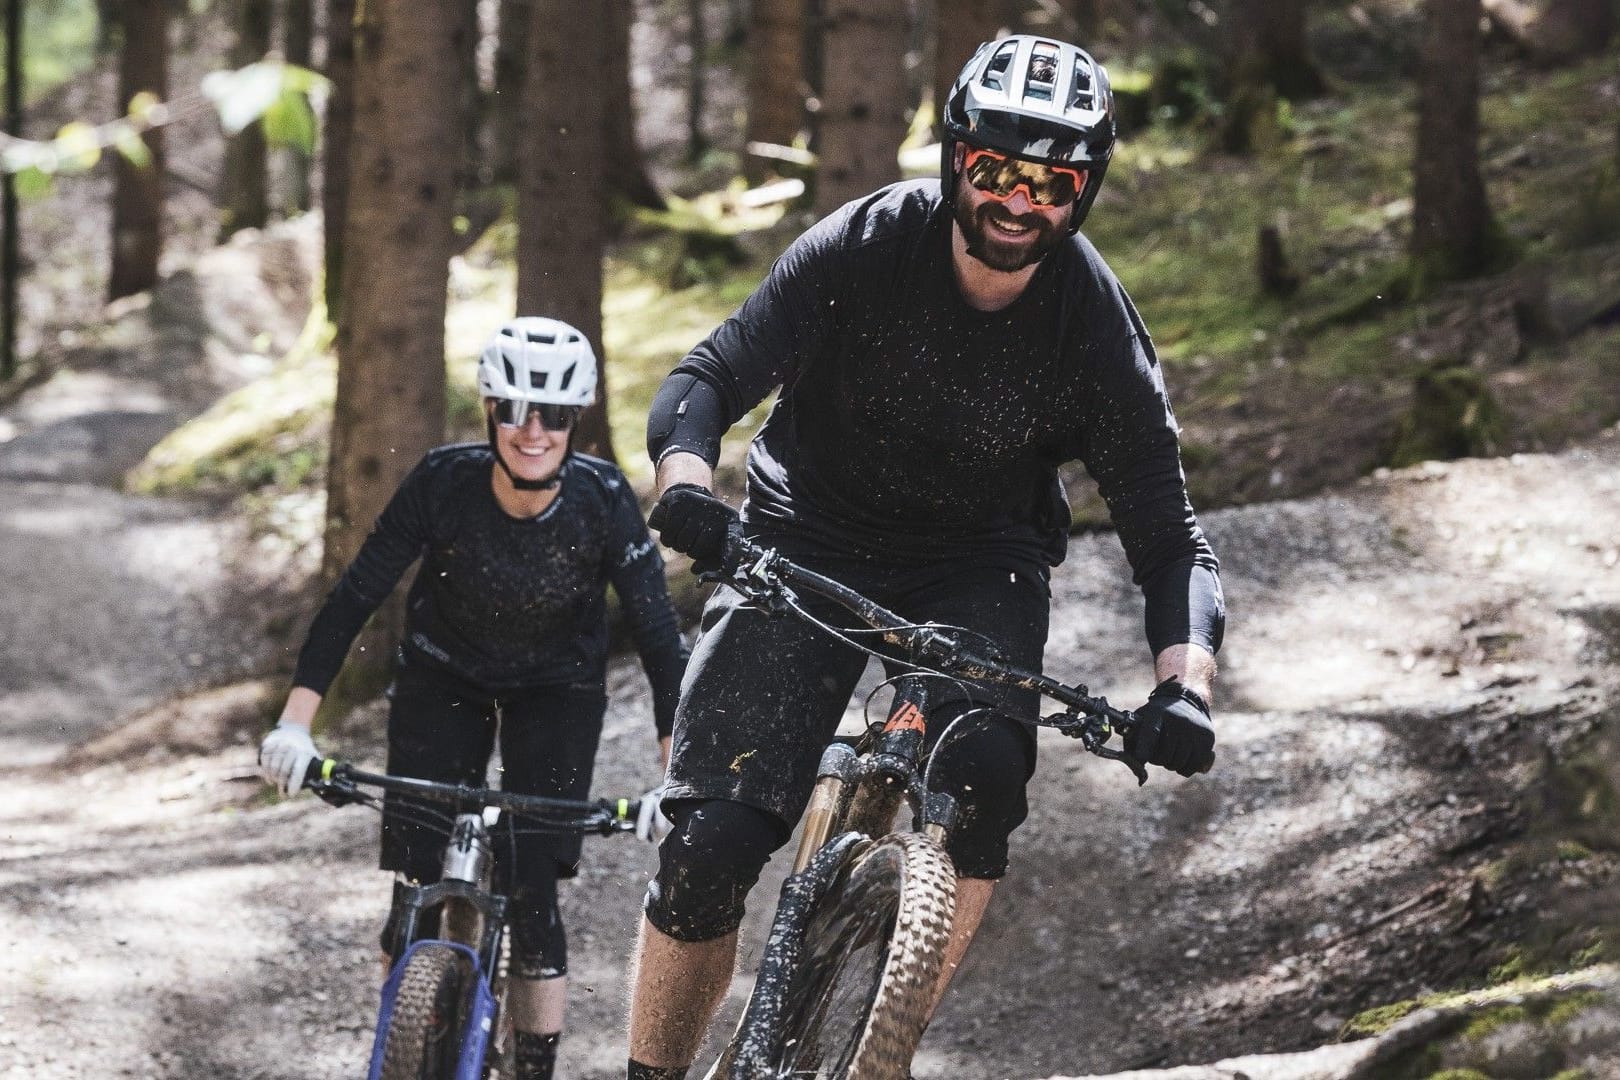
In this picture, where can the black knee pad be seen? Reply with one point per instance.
(985, 762)
(707, 865)
(539, 944)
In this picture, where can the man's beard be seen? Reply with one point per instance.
(991, 250)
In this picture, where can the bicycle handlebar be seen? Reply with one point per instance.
(767, 577)
(337, 781)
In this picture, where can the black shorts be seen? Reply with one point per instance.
(443, 728)
(763, 694)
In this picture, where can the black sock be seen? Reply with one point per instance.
(536, 1054)
(638, 1071)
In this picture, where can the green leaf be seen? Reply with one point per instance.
(32, 183)
(143, 105)
(243, 96)
(133, 147)
(289, 121)
(78, 145)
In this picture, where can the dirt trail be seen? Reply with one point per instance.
(1403, 655)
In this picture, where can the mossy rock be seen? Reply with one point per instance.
(1453, 415)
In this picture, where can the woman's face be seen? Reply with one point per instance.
(532, 451)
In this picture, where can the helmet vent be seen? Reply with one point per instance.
(538, 338)
(567, 376)
(511, 372)
(1041, 81)
(537, 380)
(995, 73)
(1080, 95)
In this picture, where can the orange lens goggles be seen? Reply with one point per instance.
(1000, 177)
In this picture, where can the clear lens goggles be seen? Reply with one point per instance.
(512, 413)
(1000, 177)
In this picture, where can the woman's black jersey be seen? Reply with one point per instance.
(912, 426)
(505, 602)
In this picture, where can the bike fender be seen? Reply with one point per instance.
(480, 1015)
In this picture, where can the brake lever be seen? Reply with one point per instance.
(1094, 732)
(337, 792)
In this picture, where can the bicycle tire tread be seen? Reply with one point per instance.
(432, 974)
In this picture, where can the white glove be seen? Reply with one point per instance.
(284, 757)
(651, 824)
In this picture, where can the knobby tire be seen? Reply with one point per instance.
(858, 1000)
(424, 1033)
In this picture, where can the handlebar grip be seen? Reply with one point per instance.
(319, 771)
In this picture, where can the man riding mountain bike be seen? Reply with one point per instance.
(505, 636)
(941, 348)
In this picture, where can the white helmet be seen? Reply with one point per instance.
(539, 360)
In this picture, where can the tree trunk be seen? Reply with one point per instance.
(390, 406)
(512, 43)
(562, 211)
(963, 25)
(776, 85)
(1453, 232)
(10, 264)
(1554, 32)
(863, 118)
(1270, 47)
(627, 170)
(137, 210)
(338, 130)
(696, 89)
(300, 39)
(244, 201)
(1087, 17)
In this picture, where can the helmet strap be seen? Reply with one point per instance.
(519, 482)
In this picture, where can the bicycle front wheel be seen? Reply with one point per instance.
(423, 1041)
(859, 997)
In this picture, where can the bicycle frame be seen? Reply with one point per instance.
(472, 916)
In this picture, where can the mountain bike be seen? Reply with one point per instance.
(443, 1001)
(847, 976)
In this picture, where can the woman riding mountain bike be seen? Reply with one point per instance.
(505, 636)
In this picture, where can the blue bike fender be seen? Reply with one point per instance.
(480, 1015)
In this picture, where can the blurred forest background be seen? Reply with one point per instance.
(1363, 234)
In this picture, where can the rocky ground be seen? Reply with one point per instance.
(1416, 786)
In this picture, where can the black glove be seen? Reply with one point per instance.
(1173, 730)
(695, 523)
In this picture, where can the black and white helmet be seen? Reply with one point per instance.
(1037, 99)
(538, 360)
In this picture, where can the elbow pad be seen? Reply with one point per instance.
(687, 416)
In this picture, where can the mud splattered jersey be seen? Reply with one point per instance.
(911, 425)
(506, 602)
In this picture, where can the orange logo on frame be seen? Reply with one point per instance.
(906, 718)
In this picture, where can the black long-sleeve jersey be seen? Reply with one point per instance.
(911, 425)
(504, 602)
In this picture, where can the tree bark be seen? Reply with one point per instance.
(1269, 47)
(137, 210)
(338, 131)
(390, 406)
(696, 81)
(245, 201)
(10, 264)
(512, 43)
(627, 169)
(562, 211)
(1453, 231)
(299, 35)
(863, 118)
(776, 84)
(963, 25)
